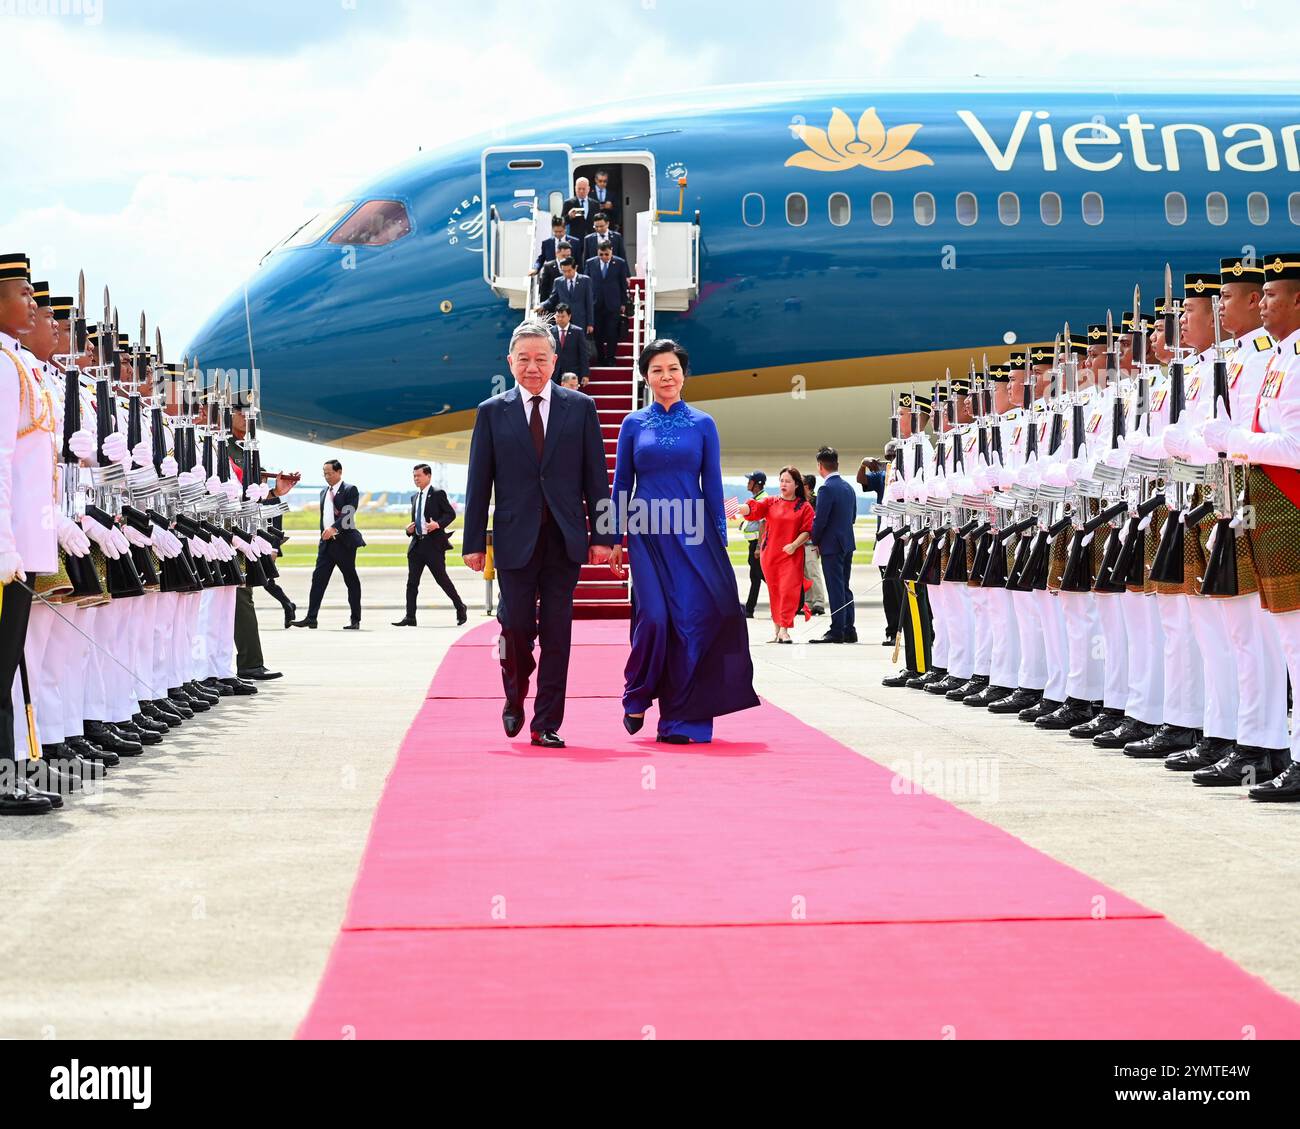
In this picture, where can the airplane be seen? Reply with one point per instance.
(812, 246)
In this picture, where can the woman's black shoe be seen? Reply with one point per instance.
(633, 724)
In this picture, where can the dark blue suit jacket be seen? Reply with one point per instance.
(571, 472)
(589, 247)
(347, 501)
(573, 357)
(548, 253)
(837, 508)
(611, 291)
(582, 300)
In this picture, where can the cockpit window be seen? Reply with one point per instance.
(317, 226)
(374, 224)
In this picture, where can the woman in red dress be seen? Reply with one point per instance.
(789, 522)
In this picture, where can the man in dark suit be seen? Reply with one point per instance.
(431, 514)
(601, 231)
(570, 344)
(554, 269)
(578, 212)
(837, 509)
(607, 200)
(339, 541)
(547, 253)
(539, 447)
(576, 292)
(609, 277)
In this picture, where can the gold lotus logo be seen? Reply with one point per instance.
(841, 146)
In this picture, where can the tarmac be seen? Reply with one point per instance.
(199, 894)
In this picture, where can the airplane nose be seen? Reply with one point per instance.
(222, 342)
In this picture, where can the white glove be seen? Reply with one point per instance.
(256, 492)
(1029, 475)
(1218, 433)
(197, 473)
(1006, 477)
(197, 548)
(141, 454)
(11, 568)
(1154, 447)
(1118, 458)
(82, 444)
(100, 536)
(895, 492)
(1178, 440)
(232, 490)
(223, 549)
(940, 490)
(120, 543)
(264, 548)
(214, 485)
(136, 538)
(1055, 475)
(1076, 469)
(164, 543)
(114, 447)
(72, 539)
(169, 467)
(983, 480)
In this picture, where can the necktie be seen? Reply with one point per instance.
(562, 333)
(603, 266)
(419, 513)
(535, 425)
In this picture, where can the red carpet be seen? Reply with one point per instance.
(774, 884)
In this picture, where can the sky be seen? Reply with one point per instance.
(164, 146)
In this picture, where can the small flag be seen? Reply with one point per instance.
(730, 507)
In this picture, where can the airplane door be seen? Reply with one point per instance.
(515, 179)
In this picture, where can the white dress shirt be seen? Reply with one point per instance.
(327, 506)
(544, 407)
(419, 510)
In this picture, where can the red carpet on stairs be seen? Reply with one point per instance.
(772, 884)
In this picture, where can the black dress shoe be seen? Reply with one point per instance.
(88, 751)
(851, 635)
(106, 737)
(946, 683)
(1019, 699)
(985, 697)
(405, 621)
(198, 690)
(512, 717)
(147, 724)
(633, 724)
(355, 625)
(1246, 764)
(62, 777)
(1040, 708)
(182, 699)
(887, 641)
(53, 798)
(24, 803)
(304, 623)
(1102, 722)
(259, 674)
(673, 739)
(155, 711)
(140, 736)
(240, 688)
(216, 686)
(1282, 789)
(1074, 711)
(902, 678)
(548, 739)
(972, 685)
(1209, 751)
(933, 675)
(829, 637)
(1125, 733)
(462, 616)
(1165, 740)
(289, 613)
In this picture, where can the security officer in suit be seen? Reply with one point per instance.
(579, 210)
(609, 277)
(571, 353)
(607, 198)
(431, 514)
(339, 541)
(552, 270)
(577, 292)
(547, 253)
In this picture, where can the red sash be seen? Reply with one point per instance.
(1285, 478)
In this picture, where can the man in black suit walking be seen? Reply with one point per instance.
(431, 514)
(553, 270)
(547, 253)
(538, 446)
(601, 232)
(609, 277)
(570, 344)
(339, 541)
(606, 197)
(575, 291)
(578, 211)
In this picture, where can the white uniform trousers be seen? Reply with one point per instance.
(221, 634)
(1146, 700)
(979, 603)
(163, 626)
(1287, 625)
(961, 629)
(1261, 670)
(51, 675)
(1217, 677)
(938, 594)
(72, 692)
(94, 706)
(1056, 649)
(1184, 688)
(1004, 668)
(1114, 635)
(1029, 626)
(1086, 676)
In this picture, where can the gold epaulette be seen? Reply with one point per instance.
(1264, 342)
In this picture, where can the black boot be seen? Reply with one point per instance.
(1246, 764)
(1282, 789)
(1041, 708)
(1022, 699)
(1208, 752)
(984, 698)
(1102, 722)
(1074, 711)
(1165, 740)
(902, 678)
(972, 685)
(946, 683)
(1129, 730)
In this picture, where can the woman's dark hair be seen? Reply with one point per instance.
(662, 345)
(800, 494)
